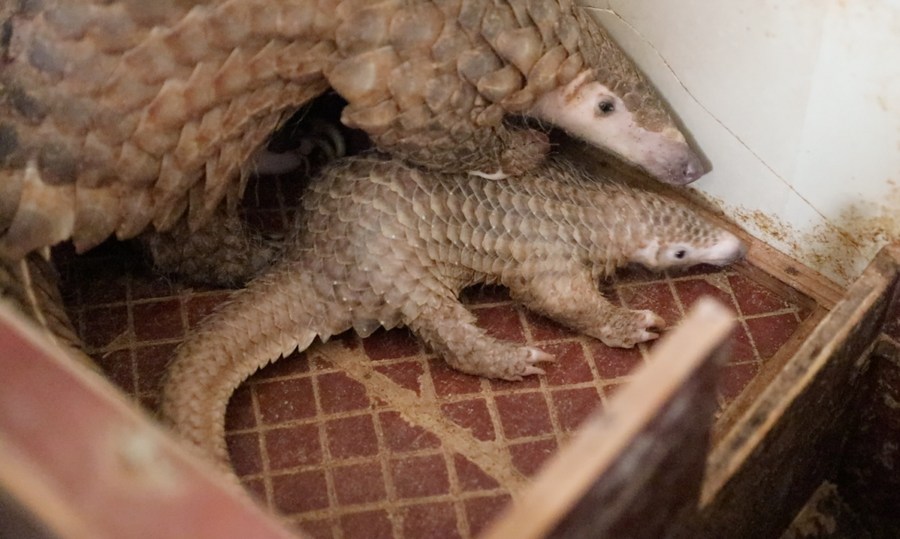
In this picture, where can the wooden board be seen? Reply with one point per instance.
(770, 370)
(868, 478)
(791, 438)
(85, 463)
(638, 463)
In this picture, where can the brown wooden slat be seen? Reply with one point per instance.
(868, 478)
(639, 461)
(88, 463)
(770, 370)
(791, 438)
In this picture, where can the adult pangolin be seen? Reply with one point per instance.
(380, 243)
(115, 114)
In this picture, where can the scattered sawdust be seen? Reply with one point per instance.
(836, 247)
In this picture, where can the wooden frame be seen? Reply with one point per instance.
(82, 461)
(791, 438)
(637, 465)
(115, 456)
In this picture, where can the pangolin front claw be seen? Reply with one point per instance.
(536, 355)
(629, 328)
(527, 367)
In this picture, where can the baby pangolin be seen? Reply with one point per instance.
(378, 243)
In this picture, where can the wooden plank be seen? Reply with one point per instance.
(636, 464)
(868, 478)
(87, 463)
(763, 471)
(770, 370)
(791, 272)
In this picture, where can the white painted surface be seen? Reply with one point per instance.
(797, 106)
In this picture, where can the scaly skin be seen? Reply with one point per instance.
(118, 114)
(29, 285)
(379, 243)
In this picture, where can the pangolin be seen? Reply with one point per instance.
(115, 114)
(379, 243)
(30, 286)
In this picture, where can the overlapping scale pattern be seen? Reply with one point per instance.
(133, 113)
(378, 242)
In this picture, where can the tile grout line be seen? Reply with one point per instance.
(130, 335)
(491, 393)
(352, 461)
(462, 523)
(740, 319)
(327, 464)
(490, 403)
(384, 460)
(598, 381)
(345, 509)
(156, 299)
(543, 386)
(263, 451)
(455, 398)
(320, 514)
(430, 392)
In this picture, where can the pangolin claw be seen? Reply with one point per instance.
(536, 355)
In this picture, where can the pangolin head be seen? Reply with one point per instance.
(674, 236)
(610, 104)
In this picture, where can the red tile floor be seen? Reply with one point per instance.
(377, 438)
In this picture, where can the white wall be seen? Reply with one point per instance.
(797, 105)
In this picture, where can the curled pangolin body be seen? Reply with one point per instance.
(115, 115)
(379, 243)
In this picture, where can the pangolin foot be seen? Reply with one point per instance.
(525, 151)
(502, 361)
(629, 328)
(522, 363)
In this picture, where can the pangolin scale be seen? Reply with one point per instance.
(30, 286)
(119, 114)
(380, 243)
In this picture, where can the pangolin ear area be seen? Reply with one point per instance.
(571, 88)
(612, 68)
(615, 70)
(644, 253)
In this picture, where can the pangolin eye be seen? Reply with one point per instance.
(606, 106)
(680, 254)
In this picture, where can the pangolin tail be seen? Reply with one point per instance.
(276, 314)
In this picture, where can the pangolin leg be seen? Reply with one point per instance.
(450, 330)
(519, 150)
(225, 251)
(573, 299)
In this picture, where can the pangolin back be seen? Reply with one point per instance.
(115, 115)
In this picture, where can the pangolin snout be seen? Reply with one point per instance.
(692, 169)
(727, 250)
(687, 169)
(675, 163)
